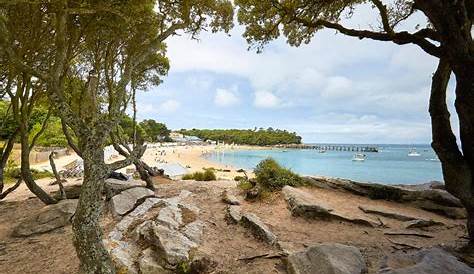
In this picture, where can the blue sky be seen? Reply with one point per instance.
(335, 89)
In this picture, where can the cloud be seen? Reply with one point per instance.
(169, 106)
(226, 97)
(265, 99)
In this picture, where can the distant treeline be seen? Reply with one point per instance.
(260, 137)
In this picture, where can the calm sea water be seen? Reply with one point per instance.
(391, 165)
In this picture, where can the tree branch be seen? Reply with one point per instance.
(43, 128)
(384, 15)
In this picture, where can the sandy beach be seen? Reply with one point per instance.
(188, 156)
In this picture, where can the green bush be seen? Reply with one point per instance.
(207, 175)
(12, 171)
(245, 185)
(270, 175)
(239, 178)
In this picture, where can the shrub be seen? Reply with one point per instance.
(239, 178)
(270, 175)
(207, 175)
(245, 185)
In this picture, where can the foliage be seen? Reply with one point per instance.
(270, 175)
(155, 131)
(12, 172)
(244, 185)
(260, 137)
(7, 122)
(53, 135)
(207, 175)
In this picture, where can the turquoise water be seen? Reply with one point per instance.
(391, 165)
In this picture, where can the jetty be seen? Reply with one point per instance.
(323, 147)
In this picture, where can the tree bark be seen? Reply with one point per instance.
(90, 249)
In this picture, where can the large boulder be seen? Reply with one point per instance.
(301, 203)
(426, 261)
(327, 259)
(258, 228)
(128, 199)
(233, 214)
(113, 186)
(49, 218)
(229, 198)
(148, 264)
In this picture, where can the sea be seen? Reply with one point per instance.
(390, 165)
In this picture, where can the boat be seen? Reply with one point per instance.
(359, 157)
(322, 151)
(413, 153)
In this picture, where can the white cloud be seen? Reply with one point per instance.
(226, 97)
(338, 87)
(169, 106)
(265, 99)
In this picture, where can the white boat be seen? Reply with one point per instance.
(413, 153)
(359, 157)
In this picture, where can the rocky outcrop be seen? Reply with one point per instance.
(419, 223)
(127, 200)
(72, 191)
(229, 198)
(327, 259)
(113, 187)
(49, 218)
(169, 228)
(426, 261)
(258, 228)
(233, 214)
(387, 213)
(431, 197)
(301, 203)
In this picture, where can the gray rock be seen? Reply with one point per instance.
(302, 204)
(354, 219)
(49, 218)
(113, 187)
(194, 231)
(426, 261)
(127, 200)
(258, 228)
(421, 223)
(387, 213)
(327, 259)
(171, 244)
(233, 214)
(448, 211)
(170, 216)
(72, 191)
(230, 199)
(123, 256)
(148, 264)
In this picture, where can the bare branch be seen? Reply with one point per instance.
(43, 128)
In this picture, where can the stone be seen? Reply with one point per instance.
(425, 261)
(229, 199)
(194, 231)
(148, 264)
(49, 218)
(123, 256)
(127, 200)
(448, 211)
(233, 214)
(387, 213)
(258, 228)
(72, 191)
(419, 223)
(113, 186)
(353, 219)
(170, 216)
(331, 258)
(301, 203)
(171, 244)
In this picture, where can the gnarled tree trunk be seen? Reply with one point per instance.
(87, 232)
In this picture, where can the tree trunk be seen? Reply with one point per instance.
(90, 249)
(26, 171)
(144, 175)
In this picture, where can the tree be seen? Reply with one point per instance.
(155, 131)
(447, 35)
(98, 52)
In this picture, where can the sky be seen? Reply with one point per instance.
(336, 89)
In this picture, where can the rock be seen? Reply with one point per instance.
(426, 261)
(327, 259)
(149, 265)
(353, 219)
(194, 231)
(72, 191)
(302, 204)
(113, 186)
(253, 193)
(258, 228)
(229, 198)
(202, 264)
(171, 244)
(123, 256)
(233, 214)
(451, 212)
(170, 216)
(118, 176)
(419, 223)
(387, 213)
(127, 200)
(49, 218)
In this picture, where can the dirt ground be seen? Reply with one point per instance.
(227, 244)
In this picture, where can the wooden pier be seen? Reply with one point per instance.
(322, 147)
